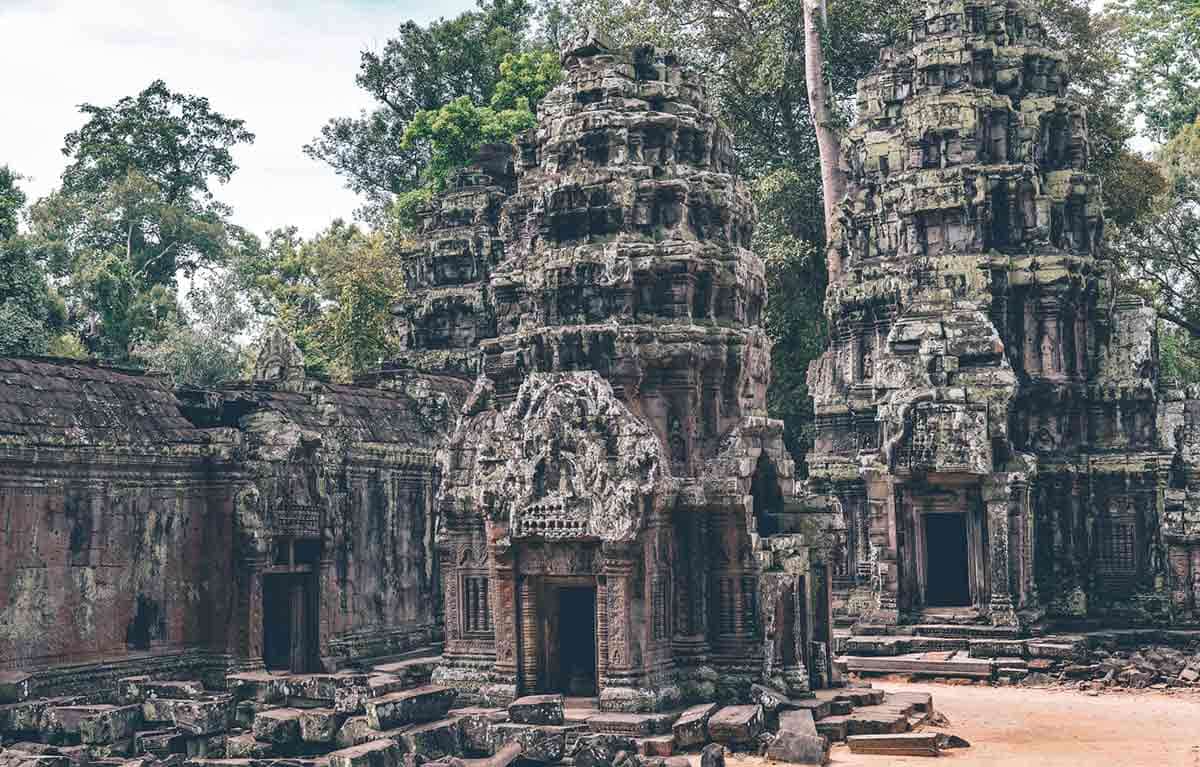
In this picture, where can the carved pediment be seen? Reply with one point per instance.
(565, 460)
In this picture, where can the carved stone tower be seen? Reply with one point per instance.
(618, 514)
(987, 406)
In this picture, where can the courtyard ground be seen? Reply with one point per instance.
(1051, 728)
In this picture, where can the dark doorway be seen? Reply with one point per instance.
(947, 583)
(287, 622)
(575, 674)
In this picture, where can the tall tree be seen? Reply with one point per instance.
(136, 211)
(421, 69)
(1162, 46)
(829, 145)
(29, 309)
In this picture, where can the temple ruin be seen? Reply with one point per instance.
(562, 525)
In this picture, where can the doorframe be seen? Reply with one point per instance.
(920, 500)
(540, 681)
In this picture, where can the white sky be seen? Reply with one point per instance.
(283, 66)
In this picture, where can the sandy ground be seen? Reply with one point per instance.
(1051, 728)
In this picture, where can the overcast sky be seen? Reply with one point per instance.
(283, 66)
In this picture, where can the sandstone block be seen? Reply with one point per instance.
(691, 729)
(476, 725)
(319, 725)
(424, 704)
(800, 722)
(136, 689)
(537, 709)
(433, 740)
(246, 746)
(355, 731)
(16, 759)
(712, 755)
(60, 724)
(657, 745)
(539, 743)
(256, 685)
(798, 748)
(110, 725)
(736, 725)
(280, 726)
(207, 716)
(377, 753)
(159, 743)
(207, 746)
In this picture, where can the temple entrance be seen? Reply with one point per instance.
(947, 579)
(290, 607)
(570, 638)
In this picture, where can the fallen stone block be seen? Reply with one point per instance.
(736, 725)
(657, 745)
(18, 759)
(355, 731)
(476, 725)
(159, 743)
(15, 686)
(257, 685)
(246, 746)
(207, 746)
(691, 728)
(798, 748)
(433, 740)
(110, 725)
(79, 755)
(60, 724)
(319, 725)
(136, 689)
(423, 704)
(537, 709)
(415, 672)
(815, 706)
(636, 725)
(377, 753)
(244, 711)
(279, 726)
(800, 722)
(207, 716)
(834, 727)
(539, 743)
(907, 744)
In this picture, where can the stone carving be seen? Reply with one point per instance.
(279, 359)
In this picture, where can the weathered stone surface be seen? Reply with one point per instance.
(537, 709)
(691, 729)
(246, 746)
(135, 689)
(159, 743)
(377, 753)
(110, 725)
(736, 725)
(15, 686)
(206, 716)
(712, 755)
(279, 726)
(800, 722)
(476, 726)
(423, 704)
(798, 748)
(355, 731)
(539, 743)
(320, 725)
(433, 740)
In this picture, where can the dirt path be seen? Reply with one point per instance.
(1052, 728)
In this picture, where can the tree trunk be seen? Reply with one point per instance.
(833, 180)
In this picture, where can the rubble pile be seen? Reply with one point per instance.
(390, 715)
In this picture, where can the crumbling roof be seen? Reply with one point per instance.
(59, 401)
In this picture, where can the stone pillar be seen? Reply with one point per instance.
(254, 609)
(620, 675)
(504, 615)
(529, 618)
(996, 494)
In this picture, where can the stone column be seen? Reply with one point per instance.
(504, 614)
(529, 618)
(618, 570)
(996, 494)
(254, 609)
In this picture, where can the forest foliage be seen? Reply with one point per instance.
(133, 258)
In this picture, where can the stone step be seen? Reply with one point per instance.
(965, 631)
(414, 672)
(900, 645)
(960, 665)
(905, 744)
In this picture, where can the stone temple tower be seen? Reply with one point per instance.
(618, 516)
(989, 412)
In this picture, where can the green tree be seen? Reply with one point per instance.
(30, 311)
(332, 293)
(422, 68)
(135, 212)
(1162, 45)
(12, 201)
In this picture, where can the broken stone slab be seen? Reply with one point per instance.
(433, 740)
(736, 725)
(657, 745)
(798, 748)
(355, 731)
(539, 743)
(207, 746)
(15, 686)
(26, 716)
(160, 743)
(423, 704)
(136, 689)
(819, 709)
(110, 725)
(279, 726)
(319, 725)
(352, 699)
(257, 685)
(691, 728)
(834, 727)
(476, 725)
(800, 722)
(321, 690)
(244, 711)
(906, 744)
(537, 709)
(246, 746)
(60, 724)
(414, 672)
(917, 701)
(18, 759)
(206, 716)
(377, 753)
(637, 725)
